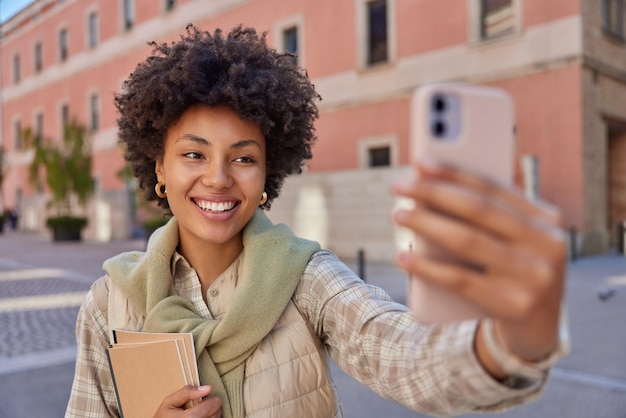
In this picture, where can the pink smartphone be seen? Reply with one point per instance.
(471, 127)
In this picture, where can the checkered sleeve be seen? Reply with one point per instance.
(93, 394)
(430, 369)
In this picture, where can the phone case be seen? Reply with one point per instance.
(480, 128)
(473, 130)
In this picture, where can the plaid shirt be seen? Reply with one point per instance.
(431, 369)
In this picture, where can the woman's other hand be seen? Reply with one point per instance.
(173, 406)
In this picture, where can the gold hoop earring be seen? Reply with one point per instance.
(263, 199)
(160, 190)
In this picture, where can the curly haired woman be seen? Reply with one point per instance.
(212, 125)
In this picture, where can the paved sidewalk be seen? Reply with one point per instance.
(42, 285)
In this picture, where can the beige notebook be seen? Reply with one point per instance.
(147, 367)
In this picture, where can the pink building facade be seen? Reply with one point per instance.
(563, 62)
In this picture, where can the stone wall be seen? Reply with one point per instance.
(604, 117)
(345, 211)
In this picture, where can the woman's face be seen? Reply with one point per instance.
(213, 169)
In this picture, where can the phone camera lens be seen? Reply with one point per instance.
(439, 128)
(439, 103)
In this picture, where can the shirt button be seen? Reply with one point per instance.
(214, 292)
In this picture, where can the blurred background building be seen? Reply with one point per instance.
(563, 62)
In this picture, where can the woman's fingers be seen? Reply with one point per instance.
(491, 188)
(483, 241)
(540, 211)
(181, 397)
(209, 407)
(487, 209)
(497, 296)
(476, 247)
(174, 405)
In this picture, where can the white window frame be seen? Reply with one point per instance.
(35, 69)
(18, 143)
(90, 99)
(92, 39)
(362, 34)
(124, 17)
(39, 112)
(475, 23)
(279, 31)
(67, 42)
(368, 143)
(61, 104)
(618, 32)
(16, 67)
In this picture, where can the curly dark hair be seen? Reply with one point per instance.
(238, 70)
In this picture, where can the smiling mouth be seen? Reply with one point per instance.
(215, 207)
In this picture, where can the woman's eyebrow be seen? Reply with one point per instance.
(202, 141)
(245, 142)
(194, 138)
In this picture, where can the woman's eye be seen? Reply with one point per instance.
(193, 155)
(244, 159)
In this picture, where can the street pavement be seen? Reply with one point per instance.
(42, 285)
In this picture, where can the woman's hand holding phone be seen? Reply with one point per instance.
(481, 248)
(496, 250)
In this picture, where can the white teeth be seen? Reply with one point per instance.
(215, 206)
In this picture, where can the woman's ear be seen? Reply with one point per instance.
(158, 170)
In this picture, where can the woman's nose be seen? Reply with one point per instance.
(217, 175)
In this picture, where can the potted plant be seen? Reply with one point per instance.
(65, 167)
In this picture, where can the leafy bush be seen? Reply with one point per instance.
(65, 166)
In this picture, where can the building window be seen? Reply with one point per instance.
(128, 10)
(95, 112)
(17, 127)
(169, 5)
(379, 157)
(63, 45)
(39, 128)
(93, 29)
(497, 18)
(613, 17)
(16, 68)
(65, 118)
(65, 115)
(38, 57)
(290, 42)
(289, 38)
(377, 48)
(376, 152)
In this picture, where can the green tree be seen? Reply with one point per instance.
(65, 168)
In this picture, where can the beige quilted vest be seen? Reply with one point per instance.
(286, 376)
